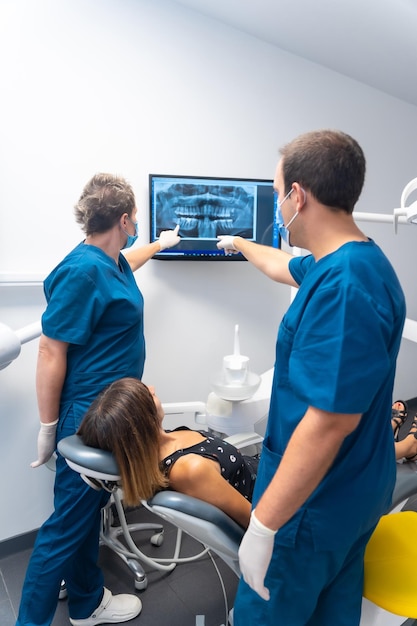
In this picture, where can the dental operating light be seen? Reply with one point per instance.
(402, 215)
(11, 341)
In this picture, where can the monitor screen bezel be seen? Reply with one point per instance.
(213, 254)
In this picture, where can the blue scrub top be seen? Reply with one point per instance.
(96, 306)
(336, 351)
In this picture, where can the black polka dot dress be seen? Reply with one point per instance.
(237, 469)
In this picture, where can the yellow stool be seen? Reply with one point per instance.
(391, 564)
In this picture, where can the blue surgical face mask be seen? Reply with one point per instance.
(283, 230)
(131, 238)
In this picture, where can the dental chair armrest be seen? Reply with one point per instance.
(244, 440)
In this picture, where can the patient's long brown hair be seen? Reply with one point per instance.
(123, 419)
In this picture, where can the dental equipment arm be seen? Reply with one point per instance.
(402, 215)
(10, 346)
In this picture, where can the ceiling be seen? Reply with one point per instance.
(372, 41)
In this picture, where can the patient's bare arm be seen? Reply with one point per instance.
(200, 477)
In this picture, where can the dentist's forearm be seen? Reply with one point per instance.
(50, 376)
(270, 261)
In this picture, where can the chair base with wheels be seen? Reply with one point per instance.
(110, 533)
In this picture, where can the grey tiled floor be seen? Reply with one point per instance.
(191, 595)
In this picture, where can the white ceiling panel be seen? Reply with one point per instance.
(372, 41)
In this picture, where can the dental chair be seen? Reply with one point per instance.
(386, 602)
(99, 470)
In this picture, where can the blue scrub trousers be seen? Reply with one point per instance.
(66, 548)
(307, 588)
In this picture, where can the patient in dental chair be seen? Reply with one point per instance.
(126, 419)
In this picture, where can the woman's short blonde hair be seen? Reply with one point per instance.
(105, 198)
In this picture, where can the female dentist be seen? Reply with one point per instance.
(92, 334)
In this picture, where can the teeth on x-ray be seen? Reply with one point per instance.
(206, 211)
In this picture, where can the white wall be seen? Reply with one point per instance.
(137, 86)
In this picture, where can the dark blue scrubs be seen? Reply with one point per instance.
(94, 305)
(336, 351)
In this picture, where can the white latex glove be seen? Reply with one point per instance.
(255, 554)
(226, 243)
(169, 238)
(46, 443)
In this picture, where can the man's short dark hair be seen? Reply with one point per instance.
(328, 163)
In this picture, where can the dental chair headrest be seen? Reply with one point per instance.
(88, 461)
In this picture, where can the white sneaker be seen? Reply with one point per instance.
(112, 610)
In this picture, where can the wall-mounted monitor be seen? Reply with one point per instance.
(205, 207)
